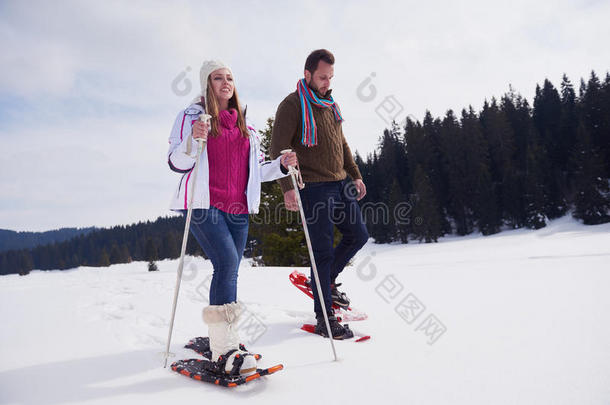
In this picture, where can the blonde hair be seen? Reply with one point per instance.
(210, 104)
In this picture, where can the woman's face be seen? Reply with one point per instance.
(222, 84)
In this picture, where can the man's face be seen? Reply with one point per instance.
(320, 80)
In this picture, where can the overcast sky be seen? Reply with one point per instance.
(89, 90)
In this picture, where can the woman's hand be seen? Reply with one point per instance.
(201, 130)
(289, 159)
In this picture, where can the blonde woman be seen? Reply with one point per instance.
(231, 169)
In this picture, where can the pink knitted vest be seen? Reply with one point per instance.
(228, 155)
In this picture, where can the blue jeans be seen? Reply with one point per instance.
(326, 205)
(222, 237)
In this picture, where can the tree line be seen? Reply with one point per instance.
(144, 241)
(509, 165)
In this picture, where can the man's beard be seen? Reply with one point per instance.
(316, 89)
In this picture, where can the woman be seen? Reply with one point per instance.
(230, 171)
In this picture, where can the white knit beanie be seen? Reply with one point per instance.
(206, 69)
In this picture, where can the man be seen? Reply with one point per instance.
(308, 121)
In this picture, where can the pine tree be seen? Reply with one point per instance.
(426, 223)
(398, 226)
(436, 167)
(483, 202)
(276, 234)
(568, 123)
(592, 200)
(103, 258)
(534, 197)
(115, 254)
(499, 137)
(594, 116)
(393, 161)
(151, 252)
(4, 266)
(125, 254)
(170, 247)
(456, 159)
(389, 165)
(605, 133)
(518, 114)
(487, 215)
(25, 263)
(501, 141)
(524, 195)
(547, 121)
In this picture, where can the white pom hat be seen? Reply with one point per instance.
(207, 68)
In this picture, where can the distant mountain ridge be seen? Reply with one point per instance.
(24, 240)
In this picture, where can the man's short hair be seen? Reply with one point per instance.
(316, 56)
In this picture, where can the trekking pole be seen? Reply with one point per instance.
(293, 174)
(205, 118)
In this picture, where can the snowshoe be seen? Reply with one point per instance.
(206, 371)
(213, 372)
(343, 314)
(311, 328)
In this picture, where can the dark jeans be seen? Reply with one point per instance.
(223, 238)
(329, 204)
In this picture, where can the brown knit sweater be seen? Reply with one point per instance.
(330, 160)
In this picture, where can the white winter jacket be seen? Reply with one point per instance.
(181, 162)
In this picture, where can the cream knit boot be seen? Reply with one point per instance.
(222, 321)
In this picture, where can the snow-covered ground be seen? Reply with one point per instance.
(521, 317)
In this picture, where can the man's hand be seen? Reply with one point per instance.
(290, 200)
(359, 184)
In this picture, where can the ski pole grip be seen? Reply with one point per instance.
(205, 118)
(294, 171)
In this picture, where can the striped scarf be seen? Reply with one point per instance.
(308, 97)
